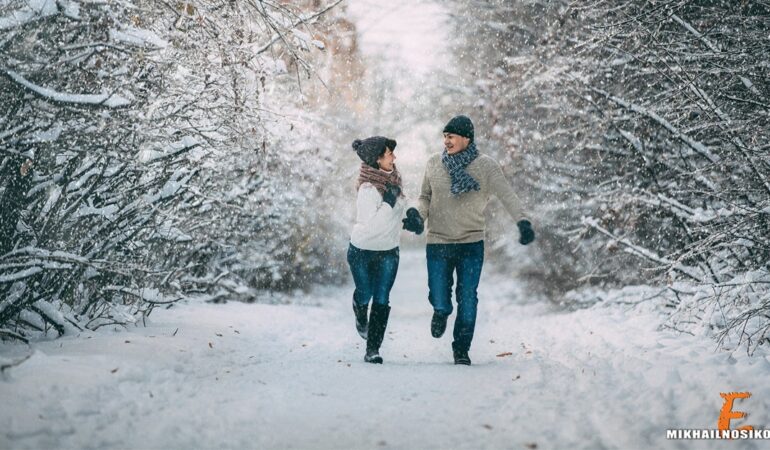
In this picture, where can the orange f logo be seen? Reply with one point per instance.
(727, 413)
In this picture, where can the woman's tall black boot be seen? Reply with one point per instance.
(361, 311)
(378, 322)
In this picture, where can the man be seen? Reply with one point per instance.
(455, 191)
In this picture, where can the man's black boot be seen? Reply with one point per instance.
(378, 322)
(438, 325)
(461, 357)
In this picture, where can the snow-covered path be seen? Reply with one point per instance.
(289, 376)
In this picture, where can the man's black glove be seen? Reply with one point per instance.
(390, 195)
(413, 221)
(526, 233)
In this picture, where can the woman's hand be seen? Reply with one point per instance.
(390, 195)
(413, 221)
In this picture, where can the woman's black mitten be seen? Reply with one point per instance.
(526, 233)
(390, 195)
(413, 221)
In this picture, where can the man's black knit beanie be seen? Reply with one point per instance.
(461, 126)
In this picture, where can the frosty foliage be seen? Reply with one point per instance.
(138, 161)
(641, 128)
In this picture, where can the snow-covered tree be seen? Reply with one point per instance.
(136, 151)
(639, 126)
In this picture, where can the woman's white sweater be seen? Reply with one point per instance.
(378, 226)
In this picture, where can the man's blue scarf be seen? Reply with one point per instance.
(456, 164)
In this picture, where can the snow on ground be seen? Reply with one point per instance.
(290, 376)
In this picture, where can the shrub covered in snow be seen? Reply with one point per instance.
(138, 161)
(641, 129)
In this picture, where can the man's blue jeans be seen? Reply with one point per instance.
(373, 274)
(443, 261)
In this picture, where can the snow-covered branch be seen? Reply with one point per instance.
(31, 10)
(109, 100)
(698, 147)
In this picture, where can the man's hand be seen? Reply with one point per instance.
(390, 195)
(413, 221)
(526, 233)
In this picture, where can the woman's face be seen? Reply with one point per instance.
(386, 160)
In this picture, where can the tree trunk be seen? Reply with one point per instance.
(13, 200)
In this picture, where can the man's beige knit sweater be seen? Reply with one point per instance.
(457, 219)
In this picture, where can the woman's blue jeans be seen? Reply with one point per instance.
(373, 274)
(443, 261)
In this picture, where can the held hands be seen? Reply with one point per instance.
(526, 233)
(413, 221)
(391, 194)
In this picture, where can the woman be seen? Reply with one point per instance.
(373, 251)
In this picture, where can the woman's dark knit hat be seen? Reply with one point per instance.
(370, 149)
(461, 126)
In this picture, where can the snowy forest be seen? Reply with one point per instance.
(143, 160)
(157, 155)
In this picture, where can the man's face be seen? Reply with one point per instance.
(455, 143)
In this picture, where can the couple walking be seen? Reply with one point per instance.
(455, 191)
